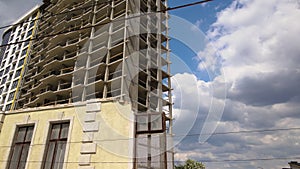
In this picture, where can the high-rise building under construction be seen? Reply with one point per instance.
(96, 89)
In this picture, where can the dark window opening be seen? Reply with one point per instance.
(20, 148)
(56, 146)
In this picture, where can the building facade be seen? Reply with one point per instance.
(14, 57)
(96, 90)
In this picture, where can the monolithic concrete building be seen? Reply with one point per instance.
(96, 91)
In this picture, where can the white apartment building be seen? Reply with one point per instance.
(14, 56)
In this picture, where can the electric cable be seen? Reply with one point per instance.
(101, 24)
(54, 14)
(186, 135)
(176, 161)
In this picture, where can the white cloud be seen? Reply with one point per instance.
(257, 43)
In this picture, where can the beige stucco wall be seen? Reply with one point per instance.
(114, 134)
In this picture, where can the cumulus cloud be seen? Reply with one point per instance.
(257, 44)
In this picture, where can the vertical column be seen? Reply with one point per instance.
(2, 116)
(90, 127)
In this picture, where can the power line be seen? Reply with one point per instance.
(55, 14)
(161, 161)
(188, 5)
(247, 160)
(247, 131)
(183, 135)
(86, 7)
(101, 24)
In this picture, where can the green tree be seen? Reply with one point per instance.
(191, 164)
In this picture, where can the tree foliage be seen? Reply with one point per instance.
(191, 164)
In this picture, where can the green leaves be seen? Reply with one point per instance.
(191, 164)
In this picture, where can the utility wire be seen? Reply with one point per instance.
(54, 14)
(86, 7)
(101, 24)
(188, 5)
(161, 161)
(183, 135)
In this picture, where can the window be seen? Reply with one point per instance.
(7, 69)
(10, 59)
(14, 50)
(22, 36)
(1, 73)
(5, 56)
(11, 96)
(150, 123)
(25, 25)
(29, 33)
(31, 24)
(3, 64)
(24, 51)
(1, 90)
(7, 107)
(15, 84)
(10, 76)
(18, 72)
(11, 37)
(34, 15)
(20, 147)
(3, 80)
(21, 62)
(56, 146)
(26, 43)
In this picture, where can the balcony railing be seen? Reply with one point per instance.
(66, 70)
(65, 86)
(95, 78)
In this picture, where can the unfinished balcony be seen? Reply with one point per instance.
(66, 74)
(62, 100)
(141, 103)
(114, 92)
(61, 5)
(119, 10)
(102, 14)
(115, 71)
(50, 77)
(75, 17)
(99, 48)
(165, 74)
(78, 82)
(116, 53)
(81, 61)
(117, 25)
(143, 42)
(64, 88)
(117, 37)
(95, 86)
(143, 8)
(34, 88)
(162, 6)
(143, 61)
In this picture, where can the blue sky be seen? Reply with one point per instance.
(201, 16)
(259, 69)
(255, 88)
